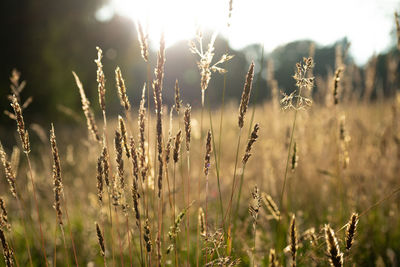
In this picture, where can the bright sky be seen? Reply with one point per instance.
(366, 23)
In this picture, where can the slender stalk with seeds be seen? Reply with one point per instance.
(157, 88)
(244, 102)
(351, 230)
(7, 250)
(119, 185)
(100, 238)
(332, 247)
(188, 129)
(6, 226)
(24, 136)
(254, 209)
(11, 179)
(302, 82)
(177, 147)
(57, 186)
(293, 240)
(102, 92)
(147, 240)
(273, 261)
(91, 123)
(252, 140)
(271, 205)
(207, 159)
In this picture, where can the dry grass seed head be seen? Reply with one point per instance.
(296, 100)
(9, 172)
(293, 239)
(271, 205)
(123, 97)
(57, 181)
(119, 160)
(332, 247)
(178, 101)
(100, 239)
(208, 153)
(90, 120)
(100, 179)
(244, 102)
(23, 133)
(255, 204)
(336, 81)
(4, 224)
(135, 160)
(124, 135)
(273, 261)
(106, 163)
(7, 250)
(101, 80)
(202, 222)
(144, 48)
(351, 230)
(142, 125)
(295, 157)
(178, 140)
(188, 127)
(168, 149)
(146, 236)
(253, 138)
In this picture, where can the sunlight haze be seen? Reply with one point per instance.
(367, 24)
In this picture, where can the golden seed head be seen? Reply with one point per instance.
(178, 101)
(295, 157)
(146, 235)
(23, 133)
(9, 172)
(7, 250)
(177, 147)
(100, 239)
(57, 181)
(123, 97)
(168, 150)
(135, 161)
(202, 222)
(119, 160)
(336, 81)
(293, 239)
(4, 224)
(273, 261)
(188, 127)
(143, 42)
(100, 179)
(271, 205)
(90, 120)
(106, 164)
(333, 249)
(253, 138)
(101, 80)
(255, 204)
(351, 230)
(124, 135)
(244, 102)
(208, 153)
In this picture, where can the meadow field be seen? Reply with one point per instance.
(303, 179)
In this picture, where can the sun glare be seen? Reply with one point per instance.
(178, 19)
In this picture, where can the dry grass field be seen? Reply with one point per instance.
(285, 183)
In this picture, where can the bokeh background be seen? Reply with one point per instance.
(46, 40)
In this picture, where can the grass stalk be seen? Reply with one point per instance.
(37, 208)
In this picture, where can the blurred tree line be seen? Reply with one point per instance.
(48, 39)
